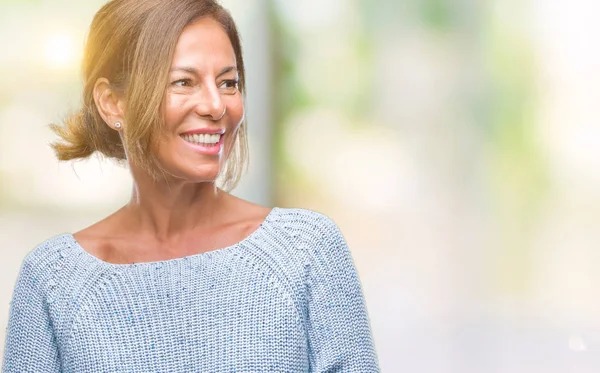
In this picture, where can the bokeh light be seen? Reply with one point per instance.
(60, 50)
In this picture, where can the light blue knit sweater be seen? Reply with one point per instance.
(285, 299)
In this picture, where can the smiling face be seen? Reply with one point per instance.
(203, 107)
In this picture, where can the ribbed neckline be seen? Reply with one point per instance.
(219, 251)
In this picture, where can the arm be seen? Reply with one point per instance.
(30, 344)
(339, 330)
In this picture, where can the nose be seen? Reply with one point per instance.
(209, 103)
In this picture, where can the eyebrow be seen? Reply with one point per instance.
(193, 70)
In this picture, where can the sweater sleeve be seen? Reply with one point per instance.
(30, 344)
(339, 331)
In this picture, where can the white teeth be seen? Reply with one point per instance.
(202, 138)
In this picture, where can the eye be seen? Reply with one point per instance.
(230, 84)
(182, 82)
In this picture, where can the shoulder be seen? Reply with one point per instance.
(321, 244)
(309, 240)
(38, 263)
(47, 251)
(308, 225)
(304, 218)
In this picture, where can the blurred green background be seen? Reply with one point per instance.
(454, 143)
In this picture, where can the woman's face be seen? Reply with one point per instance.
(203, 107)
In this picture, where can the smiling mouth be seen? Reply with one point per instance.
(203, 139)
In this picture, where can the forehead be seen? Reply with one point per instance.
(204, 44)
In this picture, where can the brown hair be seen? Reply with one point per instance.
(131, 43)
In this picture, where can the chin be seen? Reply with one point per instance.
(203, 173)
(192, 172)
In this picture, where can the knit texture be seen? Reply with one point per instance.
(287, 298)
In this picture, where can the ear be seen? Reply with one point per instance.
(110, 105)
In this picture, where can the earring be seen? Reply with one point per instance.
(118, 125)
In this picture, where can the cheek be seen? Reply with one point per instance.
(236, 112)
(174, 110)
(236, 115)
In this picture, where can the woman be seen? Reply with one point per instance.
(185, 277)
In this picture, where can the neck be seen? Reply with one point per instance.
(166, 209)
